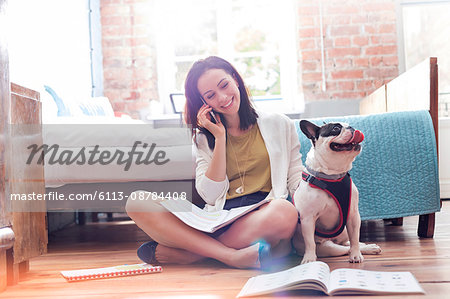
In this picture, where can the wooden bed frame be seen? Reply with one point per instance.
(416, 89)
(23, 227)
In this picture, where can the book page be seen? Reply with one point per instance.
(235, 213)
(204, 220)
(194, 216)
(368, 282)
(316, 272)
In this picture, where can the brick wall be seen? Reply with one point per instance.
(359, 47)
(129, 59)
(360, 50)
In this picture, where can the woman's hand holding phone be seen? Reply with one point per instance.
(204, 119)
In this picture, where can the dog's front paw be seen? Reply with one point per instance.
(308, 258)
(355, 257)
(370, 249)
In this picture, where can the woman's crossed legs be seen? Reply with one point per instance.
(274, 222)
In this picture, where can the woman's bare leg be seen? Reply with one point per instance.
(172, 233)
(275, 222)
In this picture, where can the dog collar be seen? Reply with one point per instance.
(325, 176)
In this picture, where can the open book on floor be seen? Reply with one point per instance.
(204, 220)
(317, 276)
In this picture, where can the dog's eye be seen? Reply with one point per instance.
(336, 129)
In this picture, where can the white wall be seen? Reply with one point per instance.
(49, 44)
(444, 156)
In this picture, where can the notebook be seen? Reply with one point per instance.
(109, 272)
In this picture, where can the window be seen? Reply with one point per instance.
(426, 28)
(49, 44)
(257, 36)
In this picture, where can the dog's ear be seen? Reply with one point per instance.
(310, 130)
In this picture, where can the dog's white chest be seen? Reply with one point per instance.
(323, 206)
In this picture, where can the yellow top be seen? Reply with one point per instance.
(252, 163)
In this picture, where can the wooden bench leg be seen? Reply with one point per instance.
(12, 269)
(3, 275)
(24, 267)
(395, 221)
(425, 228)
(81, 218)
(94, 216)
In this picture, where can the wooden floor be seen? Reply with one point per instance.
(114, 243)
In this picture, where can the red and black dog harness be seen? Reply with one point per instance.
(341, 191)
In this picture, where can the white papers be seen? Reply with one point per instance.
(204, 220)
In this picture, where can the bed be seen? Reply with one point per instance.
(75, 129)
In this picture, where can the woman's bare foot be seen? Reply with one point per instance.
(246, 257)
(243, 258)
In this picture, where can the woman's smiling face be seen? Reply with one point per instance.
(220, 91)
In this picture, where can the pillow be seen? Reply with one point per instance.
(96, 106)
(63, 109)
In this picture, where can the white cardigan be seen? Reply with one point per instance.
(281, 140)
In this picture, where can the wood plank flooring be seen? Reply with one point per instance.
(114, 243)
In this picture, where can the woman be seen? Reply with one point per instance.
(243, 156)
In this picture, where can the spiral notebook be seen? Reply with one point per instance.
(109, 272)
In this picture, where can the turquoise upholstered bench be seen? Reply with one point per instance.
(397, 170)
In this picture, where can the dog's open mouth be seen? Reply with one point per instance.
(353, 144)
(338, 147)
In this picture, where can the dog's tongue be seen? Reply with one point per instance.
(358, 137)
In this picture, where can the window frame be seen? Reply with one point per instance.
(401, 51)
(290, 89)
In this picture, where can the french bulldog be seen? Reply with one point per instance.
(327, 198)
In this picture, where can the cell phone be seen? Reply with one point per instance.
(210, 112)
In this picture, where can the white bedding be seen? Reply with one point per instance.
(180, 167)
(111, 135)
